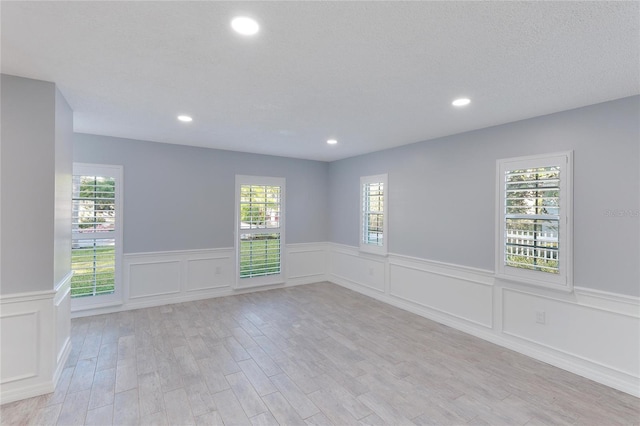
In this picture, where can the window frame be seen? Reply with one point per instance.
(563, 280)
(115, 298)
(272, 279)
(366, 247)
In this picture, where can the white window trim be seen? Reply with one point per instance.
(370, 248)
(564, 280)
(116, 298)
(275, 279)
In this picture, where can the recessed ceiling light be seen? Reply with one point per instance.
(332, 141)
(461, 102)
(185, 118)
(244, 25)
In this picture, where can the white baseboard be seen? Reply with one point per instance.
(35, 341)
(590, 333)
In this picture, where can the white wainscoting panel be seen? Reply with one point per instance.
(591, 333)
(34, 329)
(160, 278)
(154, 278)
(306, 263)
(602, 337)
(205, 273)
(20, 339)
(62, 313)
(456, 295)
(355, 267)
(607, 301)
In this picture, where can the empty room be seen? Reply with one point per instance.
(320, 213)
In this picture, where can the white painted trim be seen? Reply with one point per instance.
(312, 257)
(439, 264)
(540, 343)
(480, 283)
(415, 308)
(603, 304)
(117, 172)
(613, 302)
(26, 297)
(267, 280)
(307, 276)
(24, 392)
(564, 280)
(194, 252)
(62, 325)
(473, 275)
(45, 334)
(370, 248)
(192, 296)
(363, 281)
(34, 337)
(63, 288)
(75, 310)
(313, 270)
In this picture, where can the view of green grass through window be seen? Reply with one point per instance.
(259, 255)
(93, 245)
(93, 270)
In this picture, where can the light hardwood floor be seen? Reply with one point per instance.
(315, 354)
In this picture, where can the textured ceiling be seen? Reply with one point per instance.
(371, 74)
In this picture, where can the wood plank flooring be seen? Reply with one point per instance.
(317, 355)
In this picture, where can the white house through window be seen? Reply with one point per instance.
(534, 223)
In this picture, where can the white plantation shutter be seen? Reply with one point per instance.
(532, 218)
(95, 250)
(373, 215)
(260, 213)
(373, 211)
(260, 226)
(534, 238)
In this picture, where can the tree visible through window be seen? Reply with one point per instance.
(534, 223)
(532, 214)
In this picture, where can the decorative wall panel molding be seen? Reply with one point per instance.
(588, 332)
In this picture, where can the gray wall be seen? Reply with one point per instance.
(441, 199)
(28, 120)
(442, 192)
(180, 197)
(36, 193)
(62, 181)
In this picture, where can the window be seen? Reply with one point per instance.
(96, 236)
(260, 230)
(534, 242)
(373, 217)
